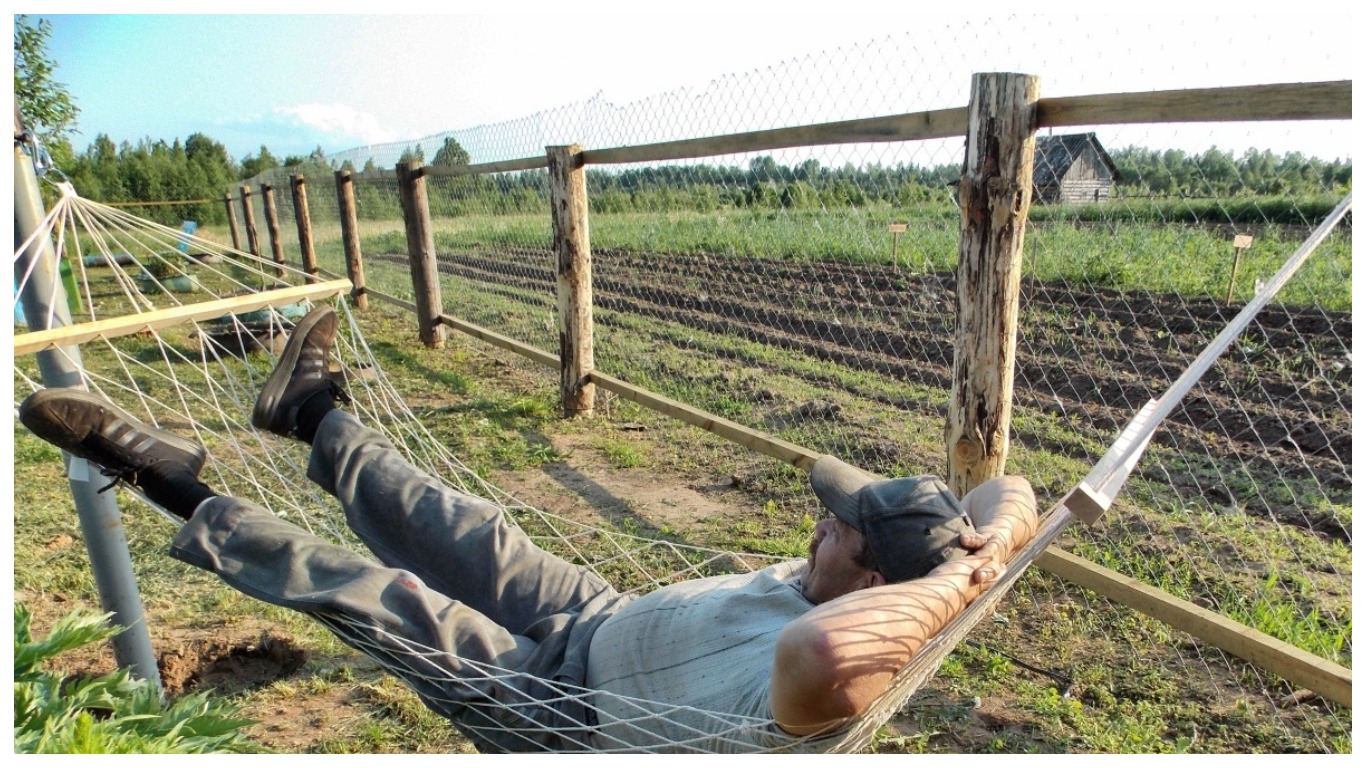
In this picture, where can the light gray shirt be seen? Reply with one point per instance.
(688, 666)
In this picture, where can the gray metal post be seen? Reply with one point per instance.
(101, 525)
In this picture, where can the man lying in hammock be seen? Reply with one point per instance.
(524, 651)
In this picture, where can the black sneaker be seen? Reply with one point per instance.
(88, 426)
(301, 373)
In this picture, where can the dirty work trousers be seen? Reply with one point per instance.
(490, 630)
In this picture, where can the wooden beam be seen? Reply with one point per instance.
(937, 124)
(502, 166)
(1281, 101)
(1304, 669)
(796, 455)
(162, 318)
(1278, 101)
(492, 337)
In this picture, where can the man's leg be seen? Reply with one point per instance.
(450, 654)
(459, 545)
(494, 683)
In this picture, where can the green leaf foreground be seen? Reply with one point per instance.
(112, 713)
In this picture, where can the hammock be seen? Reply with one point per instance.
(186, 368)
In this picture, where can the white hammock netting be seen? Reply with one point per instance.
(194, 378)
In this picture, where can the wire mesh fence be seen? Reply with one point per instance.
(809, 292)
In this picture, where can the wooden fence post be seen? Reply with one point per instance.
(995, 192)
(249, 217)
(232, 222)
(573, 277)
(417, 220)
(305, 225)
(277, 249)
(346, 210)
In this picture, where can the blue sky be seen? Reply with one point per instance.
(297, 82)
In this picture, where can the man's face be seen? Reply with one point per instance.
(831, 570)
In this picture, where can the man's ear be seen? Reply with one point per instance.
(875, 578)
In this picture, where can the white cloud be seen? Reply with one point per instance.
(339, 120)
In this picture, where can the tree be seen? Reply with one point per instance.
(46, 106)
(254, 165)
(451, 153)
(413, 154)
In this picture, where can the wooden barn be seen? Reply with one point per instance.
(1072, 169)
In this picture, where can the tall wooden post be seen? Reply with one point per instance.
(350, 229)
(232, 222)
(417, 220)
(277, 248)
(305, 224)
(573, 277)
(995, 192)
(249, 218)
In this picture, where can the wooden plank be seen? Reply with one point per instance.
(163, 318)
(937, 124)
(502, 166)
(1304, 669)
(796, 455)
(492, 337)
(1280, 101)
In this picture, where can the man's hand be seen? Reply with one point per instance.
(1003, 512)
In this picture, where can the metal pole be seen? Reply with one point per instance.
(44, 298)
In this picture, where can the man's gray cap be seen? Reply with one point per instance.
(912, 523)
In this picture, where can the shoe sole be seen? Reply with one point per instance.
(62, 436)
(274, 388)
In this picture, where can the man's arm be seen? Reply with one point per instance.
(831, 663)
(1004, 516)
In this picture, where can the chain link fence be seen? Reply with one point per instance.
(809, 292)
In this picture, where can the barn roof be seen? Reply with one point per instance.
(1053, 155)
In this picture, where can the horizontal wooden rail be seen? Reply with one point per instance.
(501, 166)
(938, 124)
(768, 445)
(158, 202)
(499, 340)
(114, 327)
(1329, 680)
(1252, 103)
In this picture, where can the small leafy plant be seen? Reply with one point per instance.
(113, 713)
